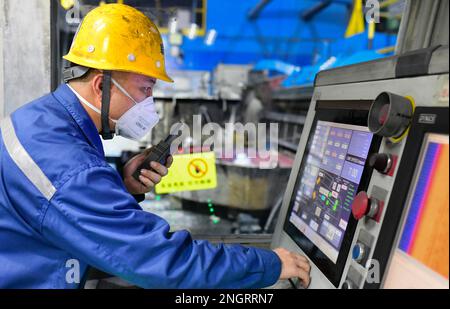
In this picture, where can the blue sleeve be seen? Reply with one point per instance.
(93, 218)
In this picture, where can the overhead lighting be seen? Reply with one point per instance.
(328, 63)
(211, 37)
(193, 31)
(173, 26)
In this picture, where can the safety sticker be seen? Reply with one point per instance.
(190, 172)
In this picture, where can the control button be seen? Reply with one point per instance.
(359, 252)
(382, 162)
(347, 285)
(365, 206)
(360, 205)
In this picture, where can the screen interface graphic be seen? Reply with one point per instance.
(329, 181)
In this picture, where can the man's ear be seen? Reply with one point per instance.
(97, 86)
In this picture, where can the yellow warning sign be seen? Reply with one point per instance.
(190, 172)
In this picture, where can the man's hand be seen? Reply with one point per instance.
(148, 178)
(294, 265)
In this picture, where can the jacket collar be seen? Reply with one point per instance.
(69, 100)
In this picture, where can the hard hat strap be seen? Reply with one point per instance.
(106, 97)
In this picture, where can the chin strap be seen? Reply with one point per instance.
(106, 96)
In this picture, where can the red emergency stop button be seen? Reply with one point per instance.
(365, 206)
(360, 205)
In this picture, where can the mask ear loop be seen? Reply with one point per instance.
(106, 100)
(123, 91)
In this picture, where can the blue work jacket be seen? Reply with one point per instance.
(64, 208)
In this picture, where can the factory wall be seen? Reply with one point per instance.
(1, 61)
(24, 52)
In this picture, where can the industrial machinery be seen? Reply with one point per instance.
(367, 199)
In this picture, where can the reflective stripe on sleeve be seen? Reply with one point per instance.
(23, 160)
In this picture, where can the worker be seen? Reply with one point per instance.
(64, 208)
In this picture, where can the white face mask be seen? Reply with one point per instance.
(137, 121)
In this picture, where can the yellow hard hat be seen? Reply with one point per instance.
(117, 37)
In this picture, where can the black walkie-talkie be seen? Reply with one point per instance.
(158, 153)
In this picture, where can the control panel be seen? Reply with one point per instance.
(348, 199)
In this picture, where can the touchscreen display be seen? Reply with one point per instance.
(323, 196)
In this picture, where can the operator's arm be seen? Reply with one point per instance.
(97, 221)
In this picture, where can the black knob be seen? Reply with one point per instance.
(382, 162)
